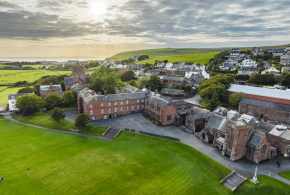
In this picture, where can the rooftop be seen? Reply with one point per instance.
(273, 93)
(13, 96)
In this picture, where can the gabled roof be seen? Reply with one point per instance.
(255, 140)
(172, 78)
(218, 122)
(179, 102)
(13, 96)
(68, 81)
(261, 127)
(266, 104)
(48, 87)
(157, 101)
(131, 88)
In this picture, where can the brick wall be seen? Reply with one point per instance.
(78, 73)
(67, 87)
(174, 73)
(170, 83)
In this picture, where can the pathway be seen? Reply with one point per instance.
(62, 131)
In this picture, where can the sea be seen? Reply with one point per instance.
(58, 59)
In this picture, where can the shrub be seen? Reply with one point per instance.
(82, 120)
(28, 111)
(57, 114)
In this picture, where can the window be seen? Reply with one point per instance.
(137, 101)
(121, 109)
(137, 107)
(91, 112)
(105, 117)
(93, 118)
(109, 104)
(168, 118)
(127, 102)
(91, 105)
(127, 108)
(115, 103)
(132, 107)
(115, 109)
(109, 110)
(152, 105)
(158, 108)
(263, 150)
(121, 102)
(142, 106)
(142, 100)
(12, 102)
(102, 111)
(102, 104)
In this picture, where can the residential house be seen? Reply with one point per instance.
(285, 69)
(285, 58)
(279, 52)
(189, 65)
(173, 91)
(271, 49)
(234, 54)
(175, 72)
(271, 70)
(178, 65)
(160, 65)
(249, 63)
(135, 58)
(287, 48)
(168, 65)
(12, 100)
(258, 51)
(248, 70)
(172, 81)
(45, 90)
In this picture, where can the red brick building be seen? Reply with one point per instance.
(175, 72)
(109, 106)
(163, 110)
(45, 90)
(78, 77)
(172, 81)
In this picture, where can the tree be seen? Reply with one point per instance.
(144, 81)
(235, 98)
(156, 83)
(111, 82)
(33, 101)
(132, 83)
(52, 101)
(188, 88)
(165, 61)
(82, 120)
(97, 84)
(214, 101)
(178, 86)
(26, 90)
(285, 79)
(57, 114)
(28, 111)
(127, 76)
(68, 98)
(36, 89)
(75, 94)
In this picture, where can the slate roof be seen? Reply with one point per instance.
(122, 96)
(179, 102)
(182, 111)
(172, 78)
(266, 104)
(172, 90)
(218, 122)
(200, 116)
(68, 81)
(260, 91)
(261, 127)
(131, 88)
(13, 96)
(255, 140)
(249, 69)
(157, 101)
(48, 87)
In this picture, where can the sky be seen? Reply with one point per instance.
(58, 28)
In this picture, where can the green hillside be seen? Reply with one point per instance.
(201, 58)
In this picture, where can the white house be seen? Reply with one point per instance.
(279, 52)
(135, 58)
(271, 70)
(169, 65)
(285, 58)
(249, 63)
(258, 51)
(160, 64)
(249, 70)
(204, 73)
(234, 54)
(287, 48)
(12, 100)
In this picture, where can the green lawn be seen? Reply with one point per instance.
(131, 164)
(201, 58)
(44, 120)
(3, 88)
(1, 117)
(12, 76)
(4, 94)
(286, 175)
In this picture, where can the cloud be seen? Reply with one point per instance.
(5, 4)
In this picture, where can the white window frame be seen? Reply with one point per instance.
(109, 110)
(132, 107)
(142, 100)
(102, 104)
(127, 108)
(115, 103)
(142, 106)
(116, 109)
(93, 118)
(121, 102)
(137, 101)
(91, 112)
(137, 107)
(91, 105)
(121, 109)
(127, 102)
(109, 104)
(102, 111)
(105, 117)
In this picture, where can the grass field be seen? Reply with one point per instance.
(286, 175)
(38, 66)
(201, 58)
(3, 88)
(131, 164)
(1, 117)
(4, 94)
(12, 76)
(164, 52)
(44, 120)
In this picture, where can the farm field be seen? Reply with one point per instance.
(12, 76)
(201, 58)
(131, 164)
(44, 120)
(3, 88)
(38, 66)
(4, 94)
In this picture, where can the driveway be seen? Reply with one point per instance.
(243, 166)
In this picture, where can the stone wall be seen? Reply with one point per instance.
(78, 72)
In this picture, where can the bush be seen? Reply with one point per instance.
(82, 120)
(52, 101)
(28, 111)
(57, 114)
(26, 90)
(242, 76)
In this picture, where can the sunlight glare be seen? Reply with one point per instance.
(98, 7)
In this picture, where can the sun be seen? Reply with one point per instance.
(98, 7)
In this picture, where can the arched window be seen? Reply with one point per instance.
(263, 150)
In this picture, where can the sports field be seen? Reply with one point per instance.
(12, 76)
(131, 164)
(201, 58)
(4, 94)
